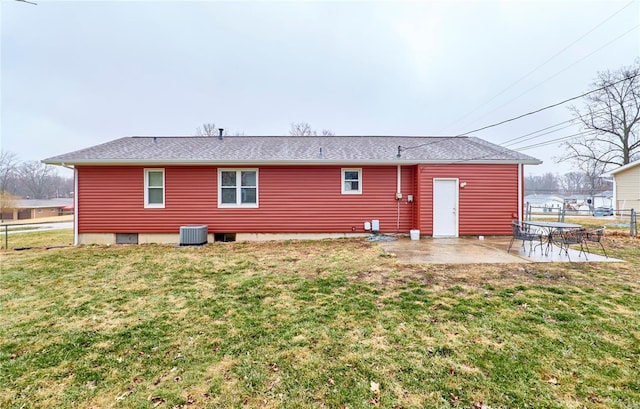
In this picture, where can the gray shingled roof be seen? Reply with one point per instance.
(293, 149)
(41, 203)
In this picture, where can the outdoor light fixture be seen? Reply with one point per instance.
(463, 184)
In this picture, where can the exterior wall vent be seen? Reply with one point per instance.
(193, 235)
(224, 237)
(126, 238)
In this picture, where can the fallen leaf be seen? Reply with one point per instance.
(124, 395)
(552, 381)
(156, 400)
(593, 398)
(375, 388)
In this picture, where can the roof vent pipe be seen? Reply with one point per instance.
(220, 137)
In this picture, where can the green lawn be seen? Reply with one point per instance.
(46, 238)
(322, 324)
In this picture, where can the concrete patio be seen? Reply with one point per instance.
(472, 250)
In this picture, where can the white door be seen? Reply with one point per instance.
(445, 208)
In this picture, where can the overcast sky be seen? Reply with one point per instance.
(76, 74)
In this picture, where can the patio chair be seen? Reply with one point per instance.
(524, 234)
(566, 238)
(595, 236)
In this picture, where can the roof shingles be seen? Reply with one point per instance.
(293, 149)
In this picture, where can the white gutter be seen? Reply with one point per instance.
(520, 190)
(75, 207)
(398, 196)
(351, 162)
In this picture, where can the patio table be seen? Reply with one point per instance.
(549, 228)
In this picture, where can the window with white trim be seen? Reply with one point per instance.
(351, 181)
(154, 188)
(237, 187)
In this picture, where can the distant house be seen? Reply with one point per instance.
(544, 203)
(626, 186)
(23, 209)
(603, 199)
(143, 189)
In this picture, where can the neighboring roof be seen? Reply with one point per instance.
(42, 203)
(625, 167)
(292, 150)
(606, 193)
(542, 198)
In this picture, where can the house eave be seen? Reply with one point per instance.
(318, 162)
(623, 168)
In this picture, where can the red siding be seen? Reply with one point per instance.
(486, 203)
(292, 199)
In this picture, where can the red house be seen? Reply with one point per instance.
(143, 189)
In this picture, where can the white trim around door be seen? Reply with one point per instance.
(445, 207)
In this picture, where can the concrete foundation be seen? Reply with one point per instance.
(174, 238)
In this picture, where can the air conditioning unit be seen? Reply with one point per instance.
(193, 235)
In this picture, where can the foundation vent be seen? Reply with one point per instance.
(193, 235)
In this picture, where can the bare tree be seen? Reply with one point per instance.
(207, 129)
(8, 169)
(301, 129)
(542, 184)
(572, 183)
(610, 118)
(304, 129)
(7, 204)
(35, 177)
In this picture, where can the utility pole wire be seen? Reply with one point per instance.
(552, 141)
(524, 138)
(29, 2)
(548, 106)
(513, 141)
(557, 73)
(543, 64)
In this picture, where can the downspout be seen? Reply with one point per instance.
(520, 190)
(614, 202)
(75, 206)
(398, 196)
(75, 202)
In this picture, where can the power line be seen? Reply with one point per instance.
(512, 141)
(558, 73)
(552, 141)
(541, 65)
(523, 138)
(406, 148)
(548, 106)
(519, 138)
(507, 145)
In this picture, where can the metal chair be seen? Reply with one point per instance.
(524, 234)
(595, 236)
(566, 238)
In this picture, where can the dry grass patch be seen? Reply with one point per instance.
(313, 324)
